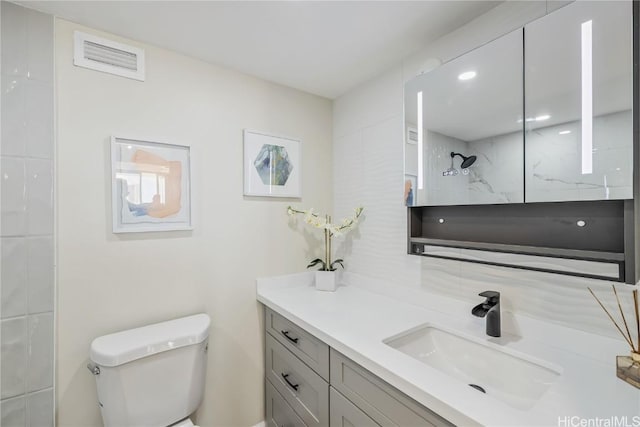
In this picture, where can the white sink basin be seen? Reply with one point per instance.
(513, 378)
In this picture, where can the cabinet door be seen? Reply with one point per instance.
(304, 390)
(578, 103)
(279, 414)
(343, 413)
(305, 346)
(386, 405)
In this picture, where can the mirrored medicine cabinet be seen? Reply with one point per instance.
(525, 146)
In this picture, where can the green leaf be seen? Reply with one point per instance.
(316, 262)
(338, 262)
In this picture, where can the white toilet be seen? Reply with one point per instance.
(152, 376)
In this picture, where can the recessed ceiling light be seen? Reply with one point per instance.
(564, 132)
(529, 119)
(467, 75)
(542, 117)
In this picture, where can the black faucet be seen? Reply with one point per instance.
(491, 309)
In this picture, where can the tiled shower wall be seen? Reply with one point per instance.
(26, 223)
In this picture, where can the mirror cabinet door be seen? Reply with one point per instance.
(469, 108)
(578, 103)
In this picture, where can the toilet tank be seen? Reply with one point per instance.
(153, 375)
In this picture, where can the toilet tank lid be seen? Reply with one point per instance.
(126, 346)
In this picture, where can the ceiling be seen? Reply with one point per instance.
(321, 47)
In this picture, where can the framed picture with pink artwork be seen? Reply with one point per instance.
(150, 186)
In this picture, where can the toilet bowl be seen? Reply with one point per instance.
(152, 376)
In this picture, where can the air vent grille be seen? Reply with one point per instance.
(108, 56)
(412, 135)
(111, 56)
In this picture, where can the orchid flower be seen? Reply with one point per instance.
(324, 222)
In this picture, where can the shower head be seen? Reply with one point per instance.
(466, 161)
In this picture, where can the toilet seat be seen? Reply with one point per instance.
(184, 423)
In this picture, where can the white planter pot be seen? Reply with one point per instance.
(326, 281)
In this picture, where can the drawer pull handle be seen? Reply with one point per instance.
(286, 335)
(293, 386)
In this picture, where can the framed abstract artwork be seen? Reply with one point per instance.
(272, 166)
(150, 186)
(410, 188)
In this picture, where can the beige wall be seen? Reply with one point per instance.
(108, 283)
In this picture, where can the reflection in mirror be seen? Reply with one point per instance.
(578, 77)
(464, 127)
(150, 184)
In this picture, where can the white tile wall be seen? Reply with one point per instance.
(26, 218)
(13, 203)
(40, 274)
(40, 352)
(368, 169)
(14, 131)
(14, 40)
(13, 348)
(31, 410)
(13, 412)
(39, 197)
(40, 409)
(39, 51)
(13, 291)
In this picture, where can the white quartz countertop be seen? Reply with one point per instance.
(356, 318)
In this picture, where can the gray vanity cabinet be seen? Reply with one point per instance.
(307, 384)
(346, 414)
(383, 403)
(304, 390)
(279, 414)
(313, 352)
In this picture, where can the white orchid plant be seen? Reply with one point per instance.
(324, 222)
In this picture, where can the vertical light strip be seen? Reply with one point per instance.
(420, 143)
(587, 99)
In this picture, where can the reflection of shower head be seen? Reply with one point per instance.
(466, 161)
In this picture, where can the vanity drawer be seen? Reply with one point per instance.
(279, 413)
(345, 414)
(386, 405)
(305, 346)
(303, 389)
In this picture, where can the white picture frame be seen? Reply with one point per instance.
(272, 165)
(150, 186)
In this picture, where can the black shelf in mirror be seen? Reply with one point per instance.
(585, 238)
